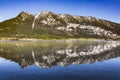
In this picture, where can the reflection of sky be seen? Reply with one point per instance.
(106, 9)
(101, 70)
(5, 62)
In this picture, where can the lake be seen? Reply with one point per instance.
(60, 60)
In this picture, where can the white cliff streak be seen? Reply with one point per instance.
(36, 63)
(36, 17)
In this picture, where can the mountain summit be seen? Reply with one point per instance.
(50, 25)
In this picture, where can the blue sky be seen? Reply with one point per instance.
(103, 9)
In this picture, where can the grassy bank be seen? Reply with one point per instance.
(30, 39)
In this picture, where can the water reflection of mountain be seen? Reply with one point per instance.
(59, 53)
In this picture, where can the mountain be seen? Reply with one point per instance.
(47, 25)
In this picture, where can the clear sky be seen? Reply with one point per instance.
(104, 9)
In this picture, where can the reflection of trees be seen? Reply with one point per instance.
(61, 54)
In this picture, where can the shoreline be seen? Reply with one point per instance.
(34, 39)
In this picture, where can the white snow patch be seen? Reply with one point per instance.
(45, 22)
(60, 28)
(62, 15)
(71, 25)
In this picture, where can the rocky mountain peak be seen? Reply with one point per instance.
(68, 18)
(47, 18)
(43, 14)
(46, 12)
(24, 15)
(65, 15)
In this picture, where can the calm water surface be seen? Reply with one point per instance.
(60, 60)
